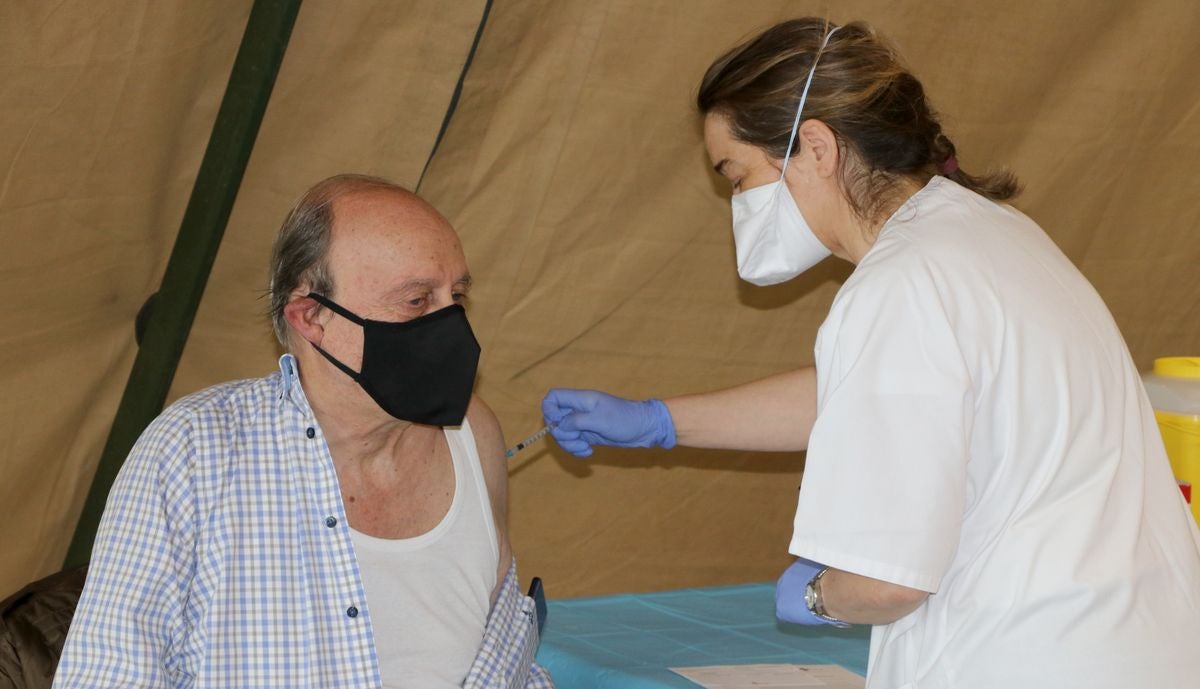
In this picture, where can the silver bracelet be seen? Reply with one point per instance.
(815, 605)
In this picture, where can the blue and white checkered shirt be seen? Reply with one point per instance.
(224, 559)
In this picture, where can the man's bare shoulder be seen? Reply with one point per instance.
(489, 437)
(489, 440)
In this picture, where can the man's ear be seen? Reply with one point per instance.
(302, 314)
(823, 143)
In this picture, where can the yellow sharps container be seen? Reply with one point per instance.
(1174, 389)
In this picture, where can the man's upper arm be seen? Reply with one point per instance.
(489, 440)
(128, 616)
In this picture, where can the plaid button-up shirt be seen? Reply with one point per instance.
(224, 558)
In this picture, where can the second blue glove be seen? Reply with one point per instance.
(580, 419)
(790, 605)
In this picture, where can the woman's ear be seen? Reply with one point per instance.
(302, 314)
(823, 143)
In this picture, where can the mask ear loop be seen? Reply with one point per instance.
(334, 307)
(803, 97)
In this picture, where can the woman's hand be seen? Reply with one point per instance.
(579, 419)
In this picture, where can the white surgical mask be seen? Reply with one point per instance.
(773, 240)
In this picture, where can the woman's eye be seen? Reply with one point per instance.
(459, 297)
(418, 301)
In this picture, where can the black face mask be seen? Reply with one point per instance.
(420, 370)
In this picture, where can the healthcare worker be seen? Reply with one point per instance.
(984, 481)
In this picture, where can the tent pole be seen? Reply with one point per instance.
(254, 70)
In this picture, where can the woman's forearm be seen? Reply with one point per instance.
(775, 413)
(863, 600)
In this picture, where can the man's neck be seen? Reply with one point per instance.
(377, 458)
(357, 431)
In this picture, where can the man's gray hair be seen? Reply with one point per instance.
(301, 249)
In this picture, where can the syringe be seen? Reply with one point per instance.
(512, 451)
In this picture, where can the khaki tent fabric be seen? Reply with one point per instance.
(106, 109)
(599, 240)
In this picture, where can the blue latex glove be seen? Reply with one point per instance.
(789, 593)
(579, 419)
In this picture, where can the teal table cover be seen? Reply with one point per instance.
(630, 641)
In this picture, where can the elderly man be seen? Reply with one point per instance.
(340, 522)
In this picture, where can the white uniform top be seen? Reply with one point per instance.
(428, 596)
(982, 434)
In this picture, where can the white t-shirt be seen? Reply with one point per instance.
(982, 434)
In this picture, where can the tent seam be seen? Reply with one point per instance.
(458, 87)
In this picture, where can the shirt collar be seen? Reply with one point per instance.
(289, 383)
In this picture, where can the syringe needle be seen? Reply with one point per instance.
(512, 451)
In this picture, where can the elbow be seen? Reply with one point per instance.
(893, 602)
(862, 600)
(904, 600)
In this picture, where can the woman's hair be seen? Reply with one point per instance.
(885, 127)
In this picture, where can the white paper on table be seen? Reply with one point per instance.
(778, 676)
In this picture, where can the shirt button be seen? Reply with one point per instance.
(351, 611)
(310, 432)
(331, 522)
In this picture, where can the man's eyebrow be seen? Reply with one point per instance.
(403, 287)
(719, 168)
(400, 289)
(416, 282)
